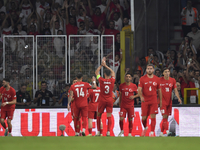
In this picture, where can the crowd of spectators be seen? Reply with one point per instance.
(58, 17)
(84, 17)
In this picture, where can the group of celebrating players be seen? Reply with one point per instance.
(101, 98)
(150, 87)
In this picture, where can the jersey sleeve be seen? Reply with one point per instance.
(88, 86)
(140, 83)
(174, 84)
(158, 84)
(120, 88)
(135, 89)
(13, 94)
(113, 79)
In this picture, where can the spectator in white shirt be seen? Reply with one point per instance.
(20, 31)
(2, 7)
(103, 5)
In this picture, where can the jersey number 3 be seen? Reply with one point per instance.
(107, 89)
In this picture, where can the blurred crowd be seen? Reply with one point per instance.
(84, 17)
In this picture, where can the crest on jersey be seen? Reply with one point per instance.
(9, 96)
(130, 90)
(170, 85)
(154, 83)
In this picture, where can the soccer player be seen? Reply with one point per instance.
(147, 90)
(105, 98)
(8, 105)
(167, 84)
(126, 102)
(92, 106)
(79, 90)
(72, 101)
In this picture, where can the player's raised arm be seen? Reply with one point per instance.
(70, 99)
(104, 64)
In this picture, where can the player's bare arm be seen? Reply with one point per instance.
(160, 96)
(104, 64)
(134, 96)
(97, 71)
(69, 100)
(140, 94)
(9, 103)
(177, 95)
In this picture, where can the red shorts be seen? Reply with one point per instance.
(129, 110)
(80, 111)
(166, 110)
(7, 113)
(148, 108)
(92, 114)
(108, 105)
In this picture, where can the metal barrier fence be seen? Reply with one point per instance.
(18, 61)
(84, 55)
(45, 58)
(51, 62)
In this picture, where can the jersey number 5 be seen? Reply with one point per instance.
(81, 92)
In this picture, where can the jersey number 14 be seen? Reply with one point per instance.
(81, 92)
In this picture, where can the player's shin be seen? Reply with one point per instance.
(153, 124)
(109, 123)
(84, 125)
(144, 122)
(75, 126)
(98, 123)
(90, 126)
(130, 126)
(121, 124)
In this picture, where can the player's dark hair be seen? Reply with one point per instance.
(23, 84)
(150, 65)
(6, 79)
(165, 68)
(79, 75)
(128, 73)
(107, 72)
(43, 82)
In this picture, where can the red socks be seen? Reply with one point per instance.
(165, 126)
(144, 122)
(99, 123)
(121, 123)
(109, 123)
(75, 124)
(153, 124)
(10, 130)
(84, 122)
(90, 130)
(130, 126)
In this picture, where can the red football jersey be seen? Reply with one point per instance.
(8, 96)
(80, 93)
(167, 86)
(94, 99)
(149, 88)
(106, 88)
(127, 91)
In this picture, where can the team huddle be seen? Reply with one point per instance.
(150, 88)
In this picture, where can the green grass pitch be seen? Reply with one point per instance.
(99, 143)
